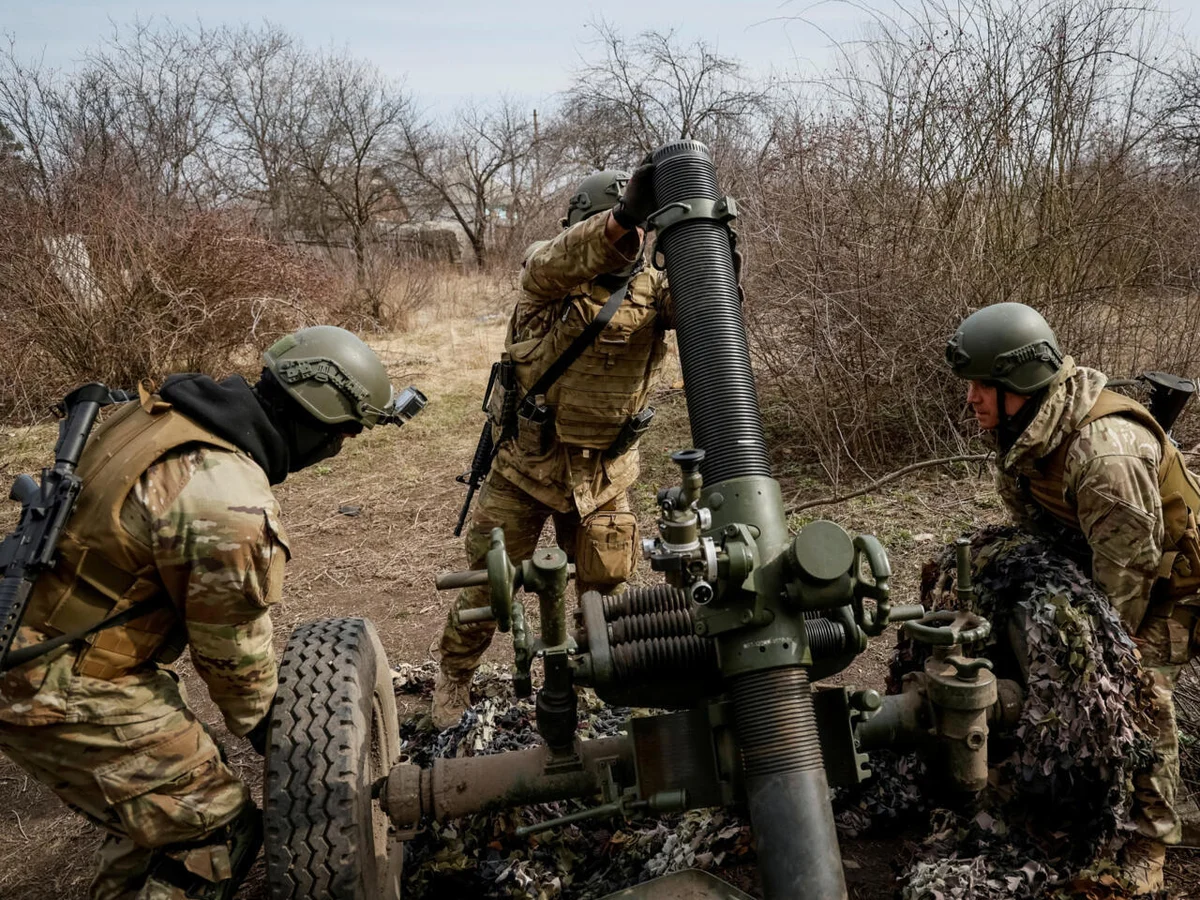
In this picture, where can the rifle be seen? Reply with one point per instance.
(504, 377)
(46, 508)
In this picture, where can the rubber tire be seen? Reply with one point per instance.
(333, 736)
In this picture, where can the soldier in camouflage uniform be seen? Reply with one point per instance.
(1093, 470)
(177, 507)
(567, 470)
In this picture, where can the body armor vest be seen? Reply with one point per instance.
(611, 378)
(1179, 489)
(101, 568)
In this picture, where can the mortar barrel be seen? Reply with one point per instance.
(713, 349)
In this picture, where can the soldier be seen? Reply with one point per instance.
(575, 459)
(1093, 470)
(177, 506)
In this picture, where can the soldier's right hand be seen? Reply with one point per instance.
(638, 200)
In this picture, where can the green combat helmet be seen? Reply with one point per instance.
(333, 375)
(596, 193)
(1008, 345)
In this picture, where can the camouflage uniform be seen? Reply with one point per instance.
(112, 734)
(1095, 485)
(569, 481)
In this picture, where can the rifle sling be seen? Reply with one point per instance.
(576, 347)
(26, 654)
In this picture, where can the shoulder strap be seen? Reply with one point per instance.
(580, 343)
(1110, 403)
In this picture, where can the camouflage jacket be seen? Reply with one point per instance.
(212, 524)
(1110, 480)
(567, 478)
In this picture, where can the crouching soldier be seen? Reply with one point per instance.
(1094, 472)
(176, 509)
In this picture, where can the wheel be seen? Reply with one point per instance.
(333, 735)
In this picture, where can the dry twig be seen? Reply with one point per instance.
(878, 483)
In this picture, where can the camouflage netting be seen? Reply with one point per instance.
(479, 856)
(1061, 788)
(1187, 712)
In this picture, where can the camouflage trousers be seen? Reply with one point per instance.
(602, 546)
(1164, 644)
(150, 785)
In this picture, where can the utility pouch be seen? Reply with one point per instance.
(606, 548)
(631, 432)
(535, 427)
(500, 399)
(1181, 566)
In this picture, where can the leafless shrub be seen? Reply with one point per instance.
(120, 292)
(387, 291)
(974, 153)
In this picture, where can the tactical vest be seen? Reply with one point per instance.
(611, 378)
(1178, 487)
(101, 568)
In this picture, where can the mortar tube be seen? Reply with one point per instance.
(452, 788)
(786, 785)
(787, 790)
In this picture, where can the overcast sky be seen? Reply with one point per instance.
(450, 50)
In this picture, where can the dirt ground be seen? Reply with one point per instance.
(371, 528)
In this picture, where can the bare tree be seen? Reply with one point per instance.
(480, 170)
(261, 83)
(136, 112)
(652, 89)
(155, 77)
(355, 119)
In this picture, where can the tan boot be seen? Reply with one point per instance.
(1142, 863)
(451, 697)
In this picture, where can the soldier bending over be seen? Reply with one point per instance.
(176, 505)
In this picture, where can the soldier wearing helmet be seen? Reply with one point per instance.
(1092, 470)
(176, 509)
(575, 463)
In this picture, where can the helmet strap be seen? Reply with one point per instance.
(1012, 427)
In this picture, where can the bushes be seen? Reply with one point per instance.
(118, 290)
(991, 152)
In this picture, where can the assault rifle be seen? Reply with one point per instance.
(46, 507)
(501, 388)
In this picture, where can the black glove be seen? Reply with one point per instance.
(257, 736)
(638, 200)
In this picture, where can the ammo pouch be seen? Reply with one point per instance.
(606, 548)
(535, 427)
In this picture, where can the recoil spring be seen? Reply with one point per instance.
(638, 601)
(680, 655)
